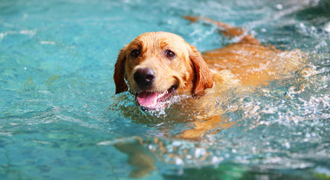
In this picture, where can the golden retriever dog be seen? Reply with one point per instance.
(156, 66)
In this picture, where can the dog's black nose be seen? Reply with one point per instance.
(144, 77)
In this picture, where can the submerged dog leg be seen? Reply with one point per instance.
(139, 158)
(203, 126)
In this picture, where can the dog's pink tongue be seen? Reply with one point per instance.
(147, 99)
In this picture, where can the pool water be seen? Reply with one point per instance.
(60, 119)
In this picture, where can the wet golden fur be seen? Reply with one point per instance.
(246, 63)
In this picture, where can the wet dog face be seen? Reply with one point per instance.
(156, 65)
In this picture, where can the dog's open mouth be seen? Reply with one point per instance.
(150, 100)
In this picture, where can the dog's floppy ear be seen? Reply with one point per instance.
(203, 75)
(119, 75)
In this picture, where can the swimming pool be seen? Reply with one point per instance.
(56, 87)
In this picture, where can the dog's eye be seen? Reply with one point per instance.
(170, 54)
(135, 53)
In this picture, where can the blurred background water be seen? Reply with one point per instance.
(56, 67)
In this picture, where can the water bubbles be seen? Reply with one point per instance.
(188, 156)
(28, 32)
(199, 152)
(48, 42)
(287, 145)
(151, 147)
(279, 6)
(178, 161)
(216, 160)
(327, 27)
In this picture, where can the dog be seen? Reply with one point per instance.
(156, 66)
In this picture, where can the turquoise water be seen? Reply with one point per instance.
(56, 87)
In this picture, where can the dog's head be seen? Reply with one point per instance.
(156, 65)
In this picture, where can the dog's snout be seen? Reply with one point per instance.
(144, 77)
